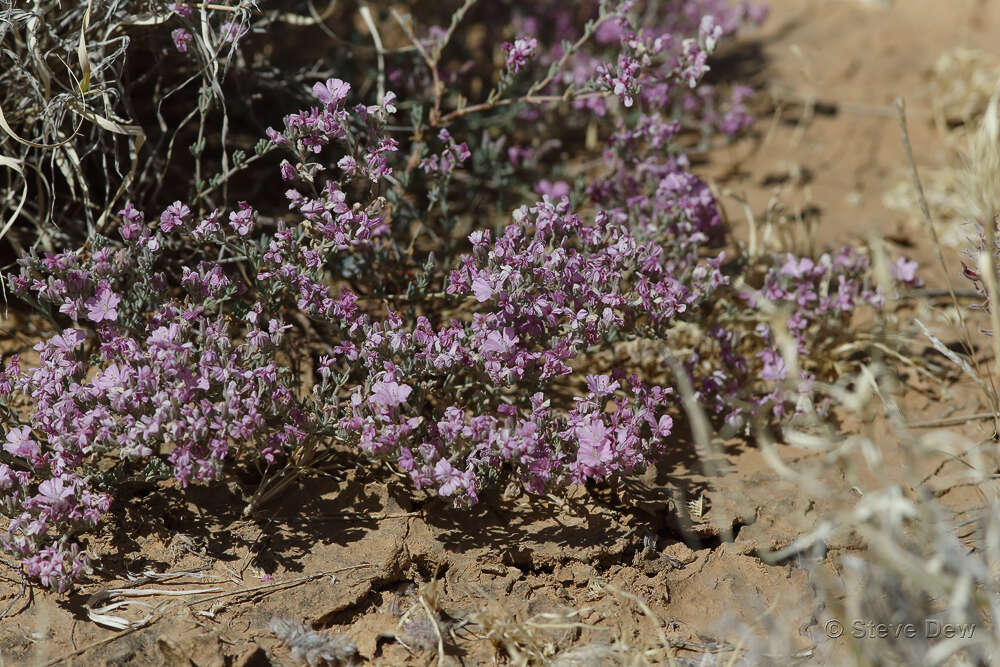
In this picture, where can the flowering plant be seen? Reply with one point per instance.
(386, 311)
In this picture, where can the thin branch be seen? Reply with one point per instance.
(953, 421)
(527, 99)
(431, 64)
(279, 585)
(366, 16)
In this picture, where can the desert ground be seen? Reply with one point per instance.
(689, 551)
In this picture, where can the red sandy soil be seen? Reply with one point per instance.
(353, 552)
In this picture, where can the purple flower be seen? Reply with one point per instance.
(405, 459)
(242, 220)
(601, 385)
(332, 93)
(623, 79)
(233, 31)
(709, 32)
(54, 492)
(451, 480)
(520, 52)
(68, 340)
(208, 226)
(500, 342)
(275, 136)
(181, 38)
(348, 164)
(180, 9)
(796, 267)
(905, 271)
(556, 190)
(70, 307)
(389, 102)
(102, 307)
(390, 394)
(482, 289)
(593, 450)
(774, 365)
(20, 443)
(174, 216)
(609, 32)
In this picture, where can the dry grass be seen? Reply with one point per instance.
(921, 564)
(961, 87)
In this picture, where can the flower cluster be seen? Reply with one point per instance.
(182, 389)
(223, 32)
(466, 344)
(546, 290)
(652, 187)
(453, 155)
(519, 52)
(630, 60)
(815, 300)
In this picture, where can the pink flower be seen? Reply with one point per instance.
(519, 52)
(556, 190)
(275, 136)
(70, 307)
(20, 443)
(594, 451)
(332, 93)
(174, 216)
(181, 38)
(905, 271)
(451, 479)
(180, 9)
(601, 385)
(242, 220)
(103, 306)
(348, 164)
(233, 31)
(501, 343)
(390, 394)
(389, 102)
(796, 268)
(54, 492)
(482, 289)
(609, 31)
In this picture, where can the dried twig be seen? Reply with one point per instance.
(953, 421)
(437, 630)
(20, 594)
(84, 649)
(366, 16)
(279, 585)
